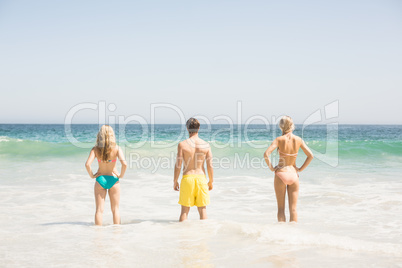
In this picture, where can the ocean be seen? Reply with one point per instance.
(349, 207)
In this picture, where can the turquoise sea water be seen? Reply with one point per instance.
(350, 201)
(367, 147)
(354, 141)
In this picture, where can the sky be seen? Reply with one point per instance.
(158, 61)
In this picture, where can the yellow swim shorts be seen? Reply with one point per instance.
(194, 190)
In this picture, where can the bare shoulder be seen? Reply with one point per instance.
(203, 144)
(201, 141)
(181, 144)
(279, 138)
(298, 139)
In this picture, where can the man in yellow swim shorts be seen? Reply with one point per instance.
(194, 187)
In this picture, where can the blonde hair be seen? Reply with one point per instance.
(286, 124)
(105, 141)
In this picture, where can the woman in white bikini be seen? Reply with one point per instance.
(286, 172)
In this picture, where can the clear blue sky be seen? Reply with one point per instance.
(277, 57)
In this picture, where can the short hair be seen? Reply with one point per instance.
(193, 125)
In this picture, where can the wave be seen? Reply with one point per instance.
(351, 148)
(10, 147)
(345, 149)
(292, 235)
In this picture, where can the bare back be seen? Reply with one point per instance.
(194, 153)
(107, 168)
(288, 146)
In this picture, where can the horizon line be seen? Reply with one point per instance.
(379, 124)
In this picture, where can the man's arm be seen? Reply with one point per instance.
(210, 169)
(177, 167)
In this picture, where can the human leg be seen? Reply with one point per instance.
(100, 195)
(280, 192)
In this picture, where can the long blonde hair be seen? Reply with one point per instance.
(286, 124)
(105, 142)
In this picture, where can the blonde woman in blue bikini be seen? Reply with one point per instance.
(107, 178)
(286, 173)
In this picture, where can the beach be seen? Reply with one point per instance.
(349, 207)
